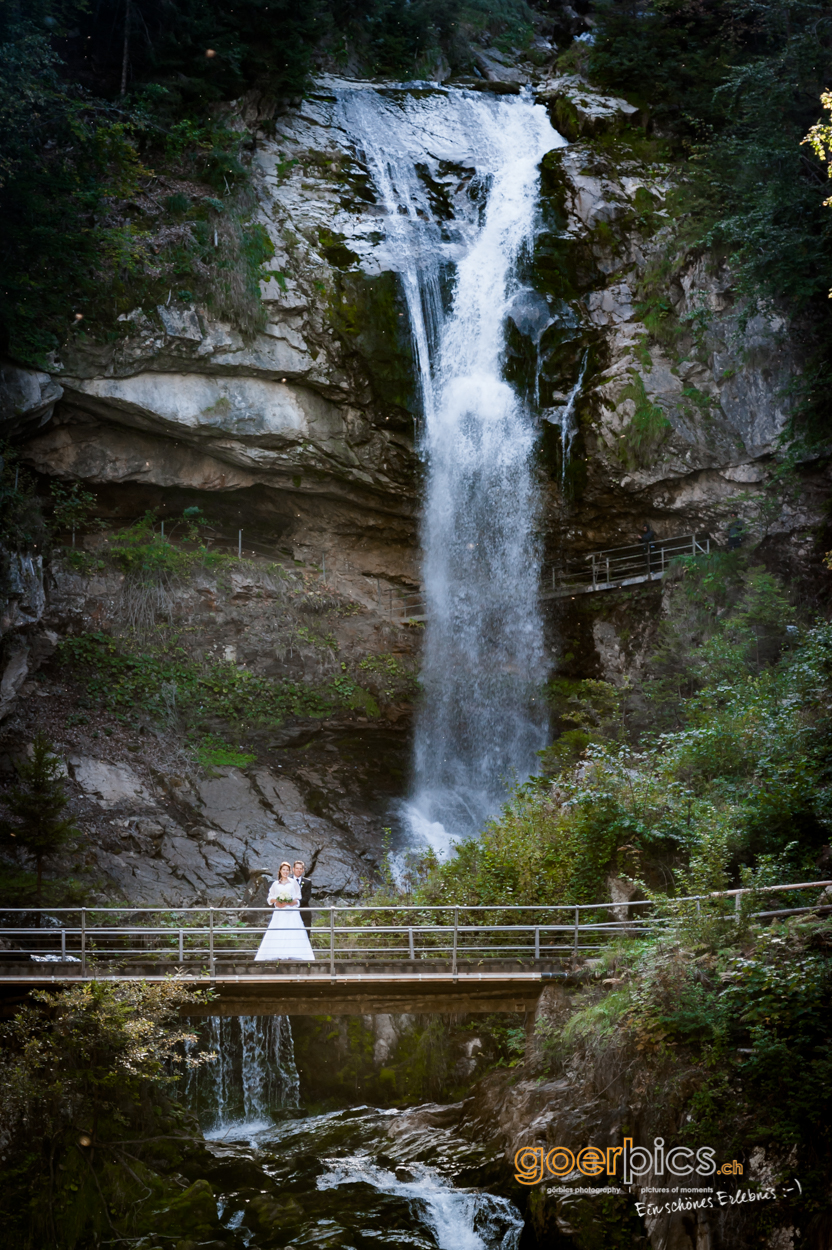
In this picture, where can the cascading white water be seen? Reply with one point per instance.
(458, 1220)
(480, 724)
(253, 1075)
(564, 417)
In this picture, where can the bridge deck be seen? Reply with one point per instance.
(307, 989)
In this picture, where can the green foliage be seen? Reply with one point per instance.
(721, 619)
(728, 1028)
(741, 773)
(140, 551)
(63, 163)
(587, 712)
(349, 694)
(72, 507)
(646, 430)
(77, 145)
(83, 1076)
(164, 683)
(19, 888)
(212, 752)
(754, 1018)
(161, 681)
(598, 1020)
(819, 137)
(389, 675)
(35, 805)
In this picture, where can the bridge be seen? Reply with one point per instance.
(616, 567)
(409, 959)
(610, 569)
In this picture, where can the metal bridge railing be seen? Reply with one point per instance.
(616, 566)
(197, 941)
(600, 570)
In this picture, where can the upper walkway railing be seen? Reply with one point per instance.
(195, 943)
(620, 566)
(609, 569)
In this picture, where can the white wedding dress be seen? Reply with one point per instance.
(286, 936)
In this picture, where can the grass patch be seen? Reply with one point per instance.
(648, 427)
(212, 752)
(164, 683)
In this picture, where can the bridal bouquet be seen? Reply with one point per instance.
(283, 894)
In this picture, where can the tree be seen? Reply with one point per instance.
(71, 507)
(92, 1143)
(36, 804)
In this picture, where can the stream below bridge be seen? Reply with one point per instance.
(351, 1178)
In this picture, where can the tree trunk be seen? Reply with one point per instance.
(126, 52)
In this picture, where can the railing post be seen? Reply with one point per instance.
(83, 941)
(410, 942)
(577, 923)
(332, 942)
(662, 561)
(537, 942)
(608, 570)
(456, 934)
(63, 944)
(707, 546)
(181, 947)
(211, 940)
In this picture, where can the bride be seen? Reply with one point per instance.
(286, 936)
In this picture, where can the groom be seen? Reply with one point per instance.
(305, 893)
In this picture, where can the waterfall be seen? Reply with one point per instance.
(565, 418)
(481, 719)
(253, 1075)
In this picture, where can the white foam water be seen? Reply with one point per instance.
(481, 720)
(459, 1220)
(253, 1075)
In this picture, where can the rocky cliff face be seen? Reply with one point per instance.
(678, 393)
(683, 387)
(661, 397)
(308, 424)
(159, 827)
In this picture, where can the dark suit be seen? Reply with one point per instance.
(305, 898)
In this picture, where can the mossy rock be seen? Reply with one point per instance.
(193, 1212)
(335, 250)
(554, 184)
(370, 317)
(607, 1222)
(566, 119)
(270, 1213)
